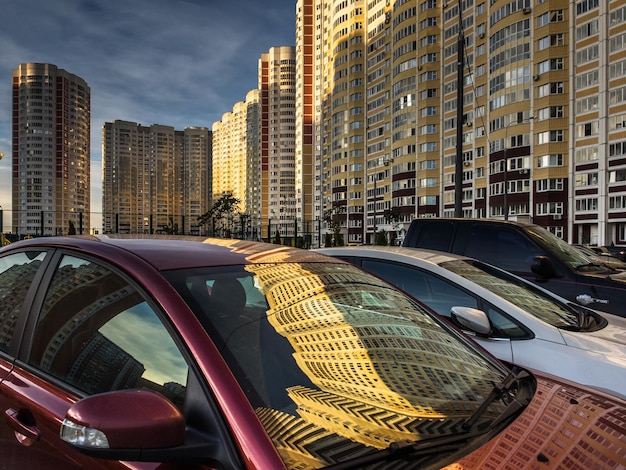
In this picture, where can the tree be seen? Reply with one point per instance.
(276, 240)
(171, 228)
(328, 240)
(222, 208)
(380, 238)
(334, 224)
(393, 216)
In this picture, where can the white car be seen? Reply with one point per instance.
(511, 318)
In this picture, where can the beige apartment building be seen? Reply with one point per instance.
(254, 152)
(540, 134)
(155, 179)
(236, 165)
(51, 151)
(505, 109)
(277, 87)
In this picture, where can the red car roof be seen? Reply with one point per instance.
(166, 252)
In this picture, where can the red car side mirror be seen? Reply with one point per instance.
(123, 424)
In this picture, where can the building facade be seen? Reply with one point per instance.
(277, 97)
(308, 120)
(597, 122)
(502, 109)
(254, 152)
(155, 178)
(51, 151)
(236, 169)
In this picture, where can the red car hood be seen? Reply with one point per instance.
(564, 426)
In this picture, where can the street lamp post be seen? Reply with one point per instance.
(458, 170)
(506, 174)
(375, 211)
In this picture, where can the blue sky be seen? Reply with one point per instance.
(172, 62)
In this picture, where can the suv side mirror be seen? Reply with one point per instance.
(542, 266)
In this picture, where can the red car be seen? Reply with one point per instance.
(181, 352)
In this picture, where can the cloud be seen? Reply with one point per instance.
(177, 63)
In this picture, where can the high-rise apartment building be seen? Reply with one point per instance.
(277, 97)
(236, 163)
(51, 151)
(596, 139)
(254, 151)
(539, 134)
(155, 178)
(308, 131)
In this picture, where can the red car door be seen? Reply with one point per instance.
(28, 424)
(30, 427)
(92, 332)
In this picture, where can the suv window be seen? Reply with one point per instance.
(502, 247)
(17, 272)
(435, 235)
(97, 333)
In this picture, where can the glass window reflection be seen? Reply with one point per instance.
(97, 333)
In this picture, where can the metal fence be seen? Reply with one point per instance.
(284, 230)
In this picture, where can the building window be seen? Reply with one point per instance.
(587, 204)
(617, 176)
(551, 184)
(554, 16)
(587, 129)
(428, 182)
(617, 202)
(587, 54)
(585, 105)
(550, 112)
(553, 88)
(549, 208)
(584, 6)
(588, 29)
(428, 165)
(586, 179)
(550, 136)
(587, 154)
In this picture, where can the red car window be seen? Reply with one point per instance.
(97, 333)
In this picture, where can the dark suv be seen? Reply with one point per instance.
(529, 251)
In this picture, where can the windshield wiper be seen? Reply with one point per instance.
(586, 320)
(501, 390)
(402, 449)
(594, 265)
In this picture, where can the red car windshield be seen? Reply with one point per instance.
(325, 346)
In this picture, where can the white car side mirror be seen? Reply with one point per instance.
(471, 318)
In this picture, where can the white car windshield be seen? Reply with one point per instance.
(523, 294)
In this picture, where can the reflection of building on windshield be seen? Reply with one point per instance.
(539, 305)
(551, 425)
(385, 373)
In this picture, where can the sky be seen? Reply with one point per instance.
(178, 63)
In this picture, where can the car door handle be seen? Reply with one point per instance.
(15, 419)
